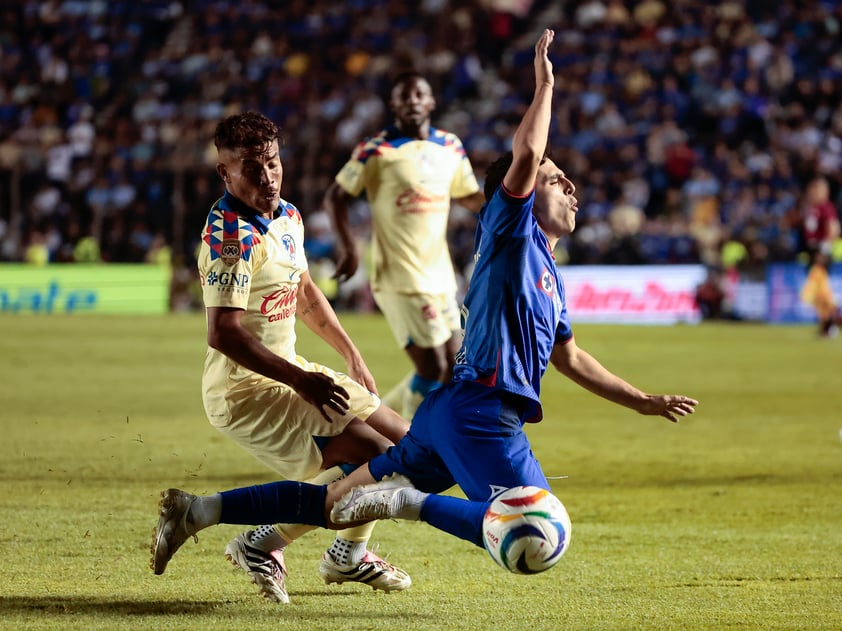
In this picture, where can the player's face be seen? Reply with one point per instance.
(412, 101)
(818, 191)
(555, 205)
(253, 175)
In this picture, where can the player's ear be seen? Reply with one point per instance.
(223, 171)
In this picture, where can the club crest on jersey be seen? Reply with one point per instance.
(289, 245)
(547, 283)
(229, 251)
(426, 167)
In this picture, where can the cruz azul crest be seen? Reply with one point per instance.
(547, 282)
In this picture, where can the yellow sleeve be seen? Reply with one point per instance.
(464, 181)
(351, 176)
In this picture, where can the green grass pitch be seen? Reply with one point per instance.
(731, 519)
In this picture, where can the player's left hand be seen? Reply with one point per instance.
(670, 406)
(359, 372)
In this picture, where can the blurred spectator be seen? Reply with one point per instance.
(36, 251)
(819, 218)
(713, 297)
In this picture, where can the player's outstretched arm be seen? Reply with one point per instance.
(530, 140)
(581, 367)
(336, 202)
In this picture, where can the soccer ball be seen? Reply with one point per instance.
(526, 530)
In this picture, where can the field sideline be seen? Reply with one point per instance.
(731, 519)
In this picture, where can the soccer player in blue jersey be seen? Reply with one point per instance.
(470, 432)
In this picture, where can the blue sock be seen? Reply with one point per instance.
(422, 385)
(275, 503)
(455, 516)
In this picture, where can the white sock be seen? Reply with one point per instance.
(346, 552)
(268, 539)
(407, 503)
(205, 511)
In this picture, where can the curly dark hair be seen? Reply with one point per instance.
(249, 129)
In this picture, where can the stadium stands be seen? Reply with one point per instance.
(688, 125)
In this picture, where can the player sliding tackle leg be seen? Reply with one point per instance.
(470, 431)
(260, 552)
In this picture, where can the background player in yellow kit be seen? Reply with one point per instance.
(410, 172)
(303, 420)
(817, 292)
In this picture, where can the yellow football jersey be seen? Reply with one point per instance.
(250, 263)
(409, 184)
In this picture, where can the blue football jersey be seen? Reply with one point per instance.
(514, 311)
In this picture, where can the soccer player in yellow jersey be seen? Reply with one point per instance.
(304, 420)
(410, 172)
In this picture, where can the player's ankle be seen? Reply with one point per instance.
(408, 504)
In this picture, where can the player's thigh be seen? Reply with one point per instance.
(275, 426)
(425, 320)
(285, 432)
(389, 423)
(415, 460)
(486, 448)
(361, 403)
(415, 455)
(357, 444)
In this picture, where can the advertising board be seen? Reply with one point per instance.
(75, 288)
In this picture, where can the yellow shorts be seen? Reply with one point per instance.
(426, 320)
(275, 425)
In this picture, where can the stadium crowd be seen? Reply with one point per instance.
(692, 127)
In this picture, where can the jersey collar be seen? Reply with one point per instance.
(248, 213)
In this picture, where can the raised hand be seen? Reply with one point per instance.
(543, 66)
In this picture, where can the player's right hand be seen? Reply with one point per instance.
(346, 265)
(321, 391)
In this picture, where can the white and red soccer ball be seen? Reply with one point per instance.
(526, 530)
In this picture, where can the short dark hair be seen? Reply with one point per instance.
(249, 129)
(496, 171)
(405, 76)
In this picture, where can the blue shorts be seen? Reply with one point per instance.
(467, 434)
